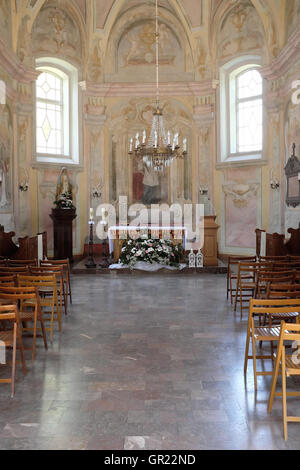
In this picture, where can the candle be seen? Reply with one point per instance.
(169, 138)
(155, 136)
(184, 144)
(131, 144)
(137, 142)
(91, 213)
(144, 137)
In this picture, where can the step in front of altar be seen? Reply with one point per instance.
(80, 268)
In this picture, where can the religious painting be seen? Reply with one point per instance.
(149, 186)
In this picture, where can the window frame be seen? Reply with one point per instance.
(64, 109)
(245, 100)
(72, 119)
(228, 116)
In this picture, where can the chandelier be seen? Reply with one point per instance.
(161, 148)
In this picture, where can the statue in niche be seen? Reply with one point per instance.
(64, 191)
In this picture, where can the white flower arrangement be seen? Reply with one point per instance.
(151, 250)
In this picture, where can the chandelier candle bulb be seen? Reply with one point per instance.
(91, 213)
(131, 144)
(144, 137)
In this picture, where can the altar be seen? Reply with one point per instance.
(117, 235)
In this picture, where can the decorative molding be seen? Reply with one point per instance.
(205, 87)
(285, 60)
(240, 193)
(12, 65)
(241, 164)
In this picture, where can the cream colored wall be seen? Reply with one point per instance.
(120, 85)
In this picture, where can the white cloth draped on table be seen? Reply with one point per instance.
(113, 231)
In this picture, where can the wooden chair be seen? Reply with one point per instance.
(45, 284)
(232, 274)
(9, 271)
(273, 259)
(247, 282)
(10, 338)
(67, 273)
(282, 291)
(58, 271)
(289, 365)
(8, 281)
(15, 263)
(30, 310)
(265, 278)
(262, 308)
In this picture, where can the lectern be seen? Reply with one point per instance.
(63, 233)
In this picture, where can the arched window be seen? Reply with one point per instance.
(50, 109)
(249, 111)
(57, 112)
(241, 112)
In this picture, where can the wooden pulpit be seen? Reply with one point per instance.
(63, 233)
(210, 248)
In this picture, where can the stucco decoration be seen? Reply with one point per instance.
(95, 62)
(101, 12)
(6, 149)
(240, 193)
(5, 19)
(293, 16)
(25, 43)
(55, 32)
(194, 11)
(130, 54)
(241, 31)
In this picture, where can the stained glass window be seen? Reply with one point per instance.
(49, 114)
(249, 111)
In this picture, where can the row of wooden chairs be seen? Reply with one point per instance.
(280, 331)
(36, 294)
(251, 278)
(279, 262)
(46, 266)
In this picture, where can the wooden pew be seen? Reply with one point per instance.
(27, 247)
(293, 245)
(275, 244)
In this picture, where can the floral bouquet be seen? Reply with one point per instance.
(151, 251)
(64, 201)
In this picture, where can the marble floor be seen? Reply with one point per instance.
(144, 362)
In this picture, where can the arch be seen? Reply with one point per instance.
(143, 13)
(265, 15)
(73, 11)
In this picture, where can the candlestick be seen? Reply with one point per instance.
(91, 263)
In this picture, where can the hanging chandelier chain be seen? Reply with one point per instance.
(158, 152)
(157, 53)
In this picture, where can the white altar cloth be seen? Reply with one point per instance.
(143, 266)
(112, 232)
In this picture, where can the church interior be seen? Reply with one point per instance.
(149, 225)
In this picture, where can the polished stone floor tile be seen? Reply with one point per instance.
(144, 362)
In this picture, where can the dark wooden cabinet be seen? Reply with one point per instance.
(63, 233)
